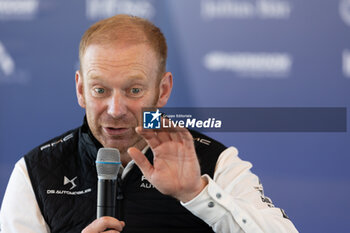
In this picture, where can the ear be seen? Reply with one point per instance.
(165, 87)
(79, 88)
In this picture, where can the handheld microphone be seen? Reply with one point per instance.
(107, 166)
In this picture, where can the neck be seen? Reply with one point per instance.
(125, 157)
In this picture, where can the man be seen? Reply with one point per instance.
(178, 184)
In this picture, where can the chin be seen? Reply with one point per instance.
(121, 144)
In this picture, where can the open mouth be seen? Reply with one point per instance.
(115, 131)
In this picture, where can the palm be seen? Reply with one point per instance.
(175, 169)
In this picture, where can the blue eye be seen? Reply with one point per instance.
(99, 90)
(135, 91)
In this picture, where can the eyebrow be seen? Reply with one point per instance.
(129, 79)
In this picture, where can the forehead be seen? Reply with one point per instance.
(119, 58)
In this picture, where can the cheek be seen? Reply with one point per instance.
(152, 97)
(136, 106)
(94, 107)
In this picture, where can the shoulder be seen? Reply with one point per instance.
(54, 146)
(206, 144)
(208, 151)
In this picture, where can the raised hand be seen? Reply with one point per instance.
(175, 169)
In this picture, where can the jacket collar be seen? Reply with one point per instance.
(88, 144)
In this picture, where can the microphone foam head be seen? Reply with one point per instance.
(108, 163)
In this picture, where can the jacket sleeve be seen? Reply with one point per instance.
(233, 201)
(20, 211)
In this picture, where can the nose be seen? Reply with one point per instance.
(116, 106)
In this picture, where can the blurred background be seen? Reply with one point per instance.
(223, 53)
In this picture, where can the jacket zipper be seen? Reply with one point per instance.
(120, 197)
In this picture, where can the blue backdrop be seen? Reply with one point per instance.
(223, 53)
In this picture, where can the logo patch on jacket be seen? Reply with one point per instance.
(145, 183)
(66, 182)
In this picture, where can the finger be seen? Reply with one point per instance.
(167, 124)
(163, 136)
(187, 138)
(141, 161)
(169, 133)
(103, 223)
(149, 135)
(175, 134)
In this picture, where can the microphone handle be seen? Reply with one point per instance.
(106, 197)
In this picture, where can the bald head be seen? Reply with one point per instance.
(126, 29)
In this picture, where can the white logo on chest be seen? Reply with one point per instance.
(66, 181)
(145, 183)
